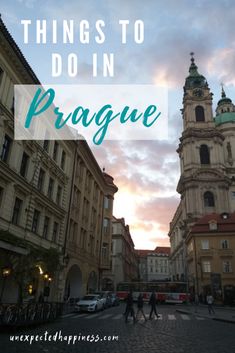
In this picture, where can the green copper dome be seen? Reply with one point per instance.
(224, 99)
(227, 117)
(194, 79)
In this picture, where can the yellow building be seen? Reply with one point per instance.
(211, 258)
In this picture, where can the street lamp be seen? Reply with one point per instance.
(6, 271)
(47, 281)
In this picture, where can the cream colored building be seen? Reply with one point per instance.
(207, 160)
(55, 204)
(35, 184)
(154, 264)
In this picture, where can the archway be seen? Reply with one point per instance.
(92, 282)
(73, 285)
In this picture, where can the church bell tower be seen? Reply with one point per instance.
(203, 184)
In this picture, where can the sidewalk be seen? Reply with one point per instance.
(224, 314)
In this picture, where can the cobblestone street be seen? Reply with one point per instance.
(172, 332)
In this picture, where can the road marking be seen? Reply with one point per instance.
(78, 316)
(92, 315)
(171, 317)
(185, 317)
(117, 317)
(105, 316)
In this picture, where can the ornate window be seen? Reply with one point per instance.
(204, 154)
(206, 266)
(35, 223)
(16, 211)
(227, 267)
(209, 200)
(6, 148)
(224, 244)
(205, 244)
(24, 164)
(199, 113)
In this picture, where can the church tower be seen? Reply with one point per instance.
(207, 161)
(203, 184)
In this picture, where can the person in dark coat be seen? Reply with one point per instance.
(129, 307)
(153, 303)
(140, 305)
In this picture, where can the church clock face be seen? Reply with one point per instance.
(198, 93)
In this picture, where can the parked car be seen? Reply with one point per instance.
(114, 299)
(90, 303)
(106, 297)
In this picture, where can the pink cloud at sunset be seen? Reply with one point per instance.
(146, 175)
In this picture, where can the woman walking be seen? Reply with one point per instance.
(153, 303)
(140, 305)
(129, 307)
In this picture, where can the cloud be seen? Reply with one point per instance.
(159, 210)
(222, 64)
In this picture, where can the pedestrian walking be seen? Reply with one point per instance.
(140, 305)
(210, 301)
(153, 303)
(196, 302)
(129, 307)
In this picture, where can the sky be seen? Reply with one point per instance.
(146, 172)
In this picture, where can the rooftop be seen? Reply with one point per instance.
(225, 223)
(159, 250)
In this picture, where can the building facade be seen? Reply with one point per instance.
(158, 264)
(154, 264)
(210, 256)
(124, 260)
(55, 204)
(35, 183)
(142, 264)
(89, 238)
(206, 152)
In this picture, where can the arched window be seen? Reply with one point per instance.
(209, 200)
(199, 112)
(204, 154)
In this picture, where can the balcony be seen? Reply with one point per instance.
(206, 253)
(225, 252)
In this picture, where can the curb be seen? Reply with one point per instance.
(211, 318)
(224, 320)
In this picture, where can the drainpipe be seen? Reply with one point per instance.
(196, 270)
(101, 241)
(70, 201)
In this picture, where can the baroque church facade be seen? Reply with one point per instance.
(207, 163)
